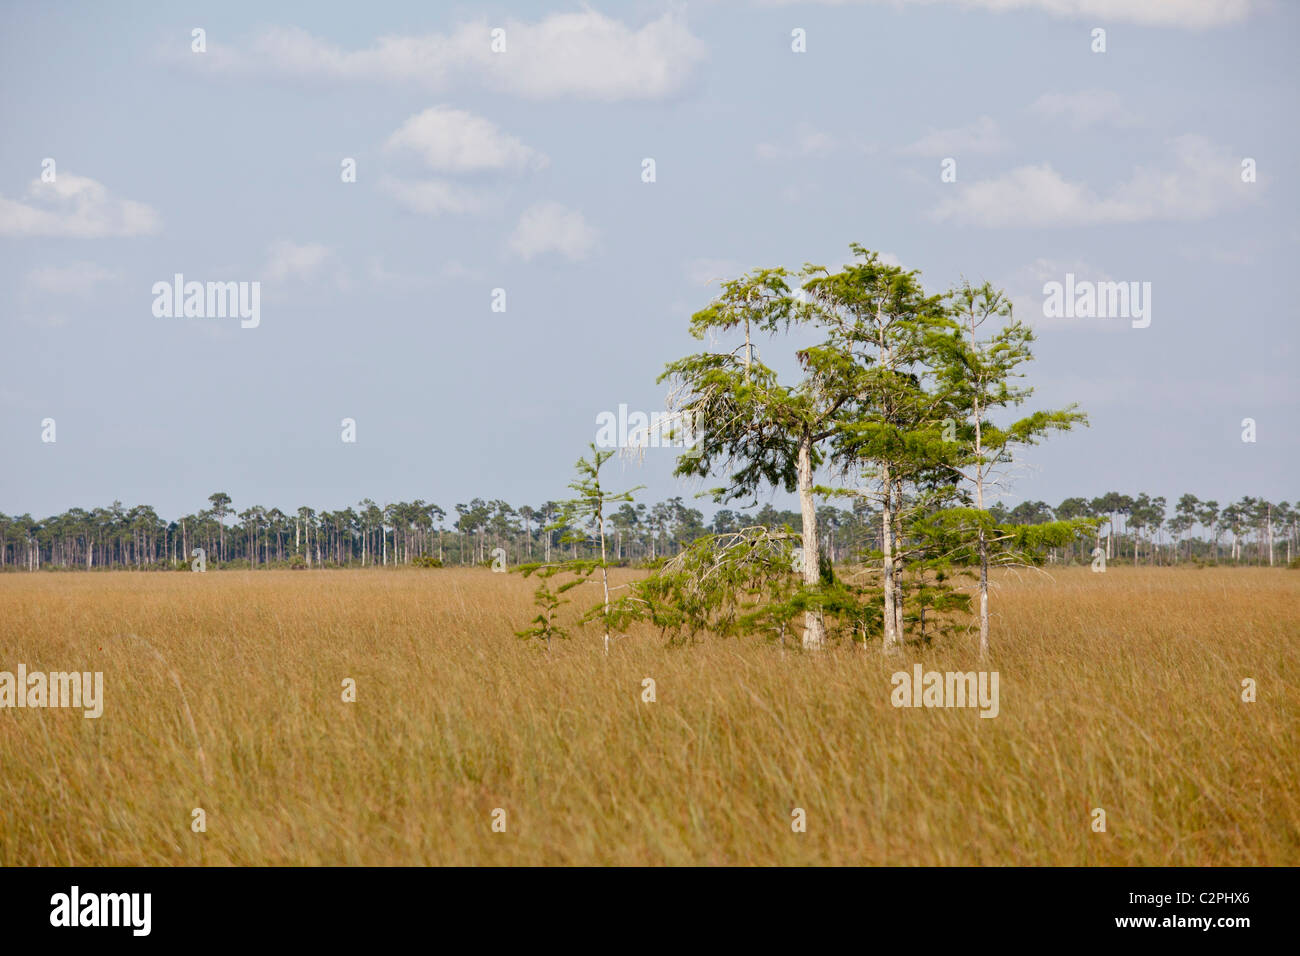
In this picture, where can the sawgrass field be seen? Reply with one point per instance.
(224, 692)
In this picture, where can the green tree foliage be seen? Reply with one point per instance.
(582, 518)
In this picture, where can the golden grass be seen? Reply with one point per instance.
(1119, 691)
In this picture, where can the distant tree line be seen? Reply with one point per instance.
(1140, 529)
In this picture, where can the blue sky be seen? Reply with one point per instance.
(522, 171)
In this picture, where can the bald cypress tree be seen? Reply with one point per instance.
(978, 377)
(891, 333)
(754, 429)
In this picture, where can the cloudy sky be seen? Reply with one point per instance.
(522, 170)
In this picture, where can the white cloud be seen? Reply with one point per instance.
(1242, 252)
(376, 271)
(435, 197)
(713, 271)
(76, 278)
(76, 207)
(452, 270)
(804, 143)
(1025, 289)
(1026, 196)
(1189, 14)
(796, 193)
(982, 136)
(290, 260)
(1199, 181)
(454, 141)
(1086, 109)
(550, 227)
(585, 55)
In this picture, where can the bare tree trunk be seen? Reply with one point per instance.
(984, 596)
(984, 561)
(899, 560)
(814, 634)
(892, 638)
(604, 572)
(983, 544)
